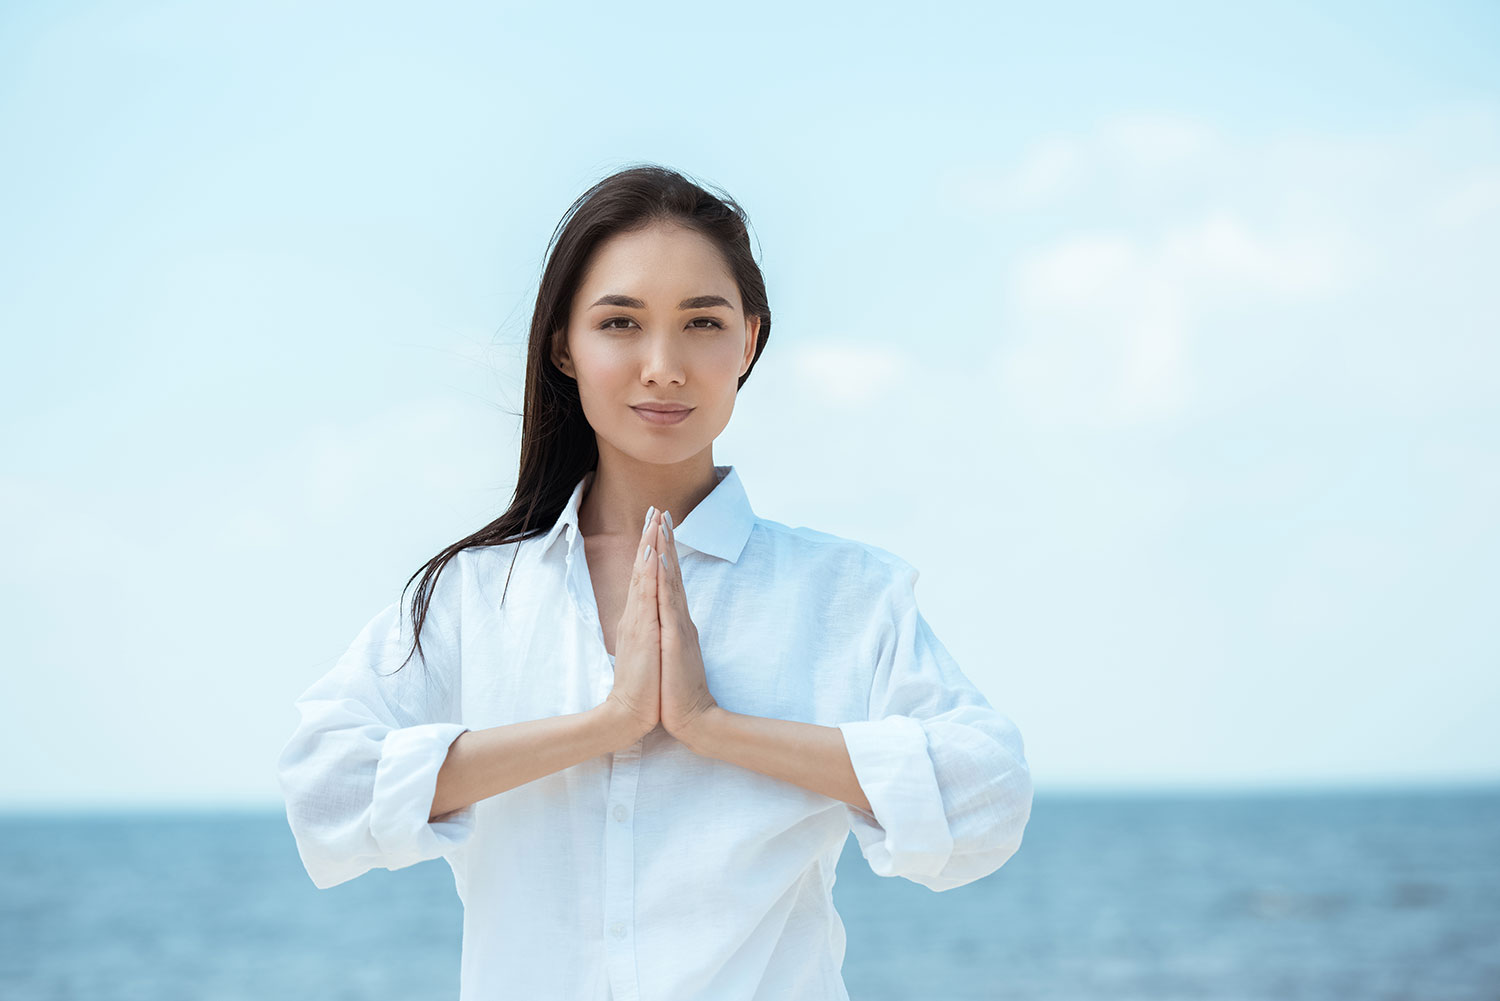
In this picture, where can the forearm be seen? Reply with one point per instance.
(805, 754)
(485, 763)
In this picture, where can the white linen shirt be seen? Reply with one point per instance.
(652, 873)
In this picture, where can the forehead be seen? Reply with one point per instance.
(664, 259)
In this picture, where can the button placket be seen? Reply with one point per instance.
(619, 875)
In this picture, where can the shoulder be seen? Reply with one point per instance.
(458, 578)
(477, 566)
(466, 580)
(826, 553)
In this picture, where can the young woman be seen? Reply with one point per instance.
(643, 720)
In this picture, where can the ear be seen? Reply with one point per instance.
(559, 353)
(753, 337)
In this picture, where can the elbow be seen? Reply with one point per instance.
(332, 850)
(329, 830)
(966, 868)
(1011, 830)
(326, 876)
(1015, 813)
(363, 799)
(957, 819)
(977, 857)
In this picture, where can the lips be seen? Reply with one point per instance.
(673, 416)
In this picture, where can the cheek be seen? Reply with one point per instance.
(717, 372)
(718, 376)
(601, 364)
(725, 358)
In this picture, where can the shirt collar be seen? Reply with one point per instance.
(719, 525)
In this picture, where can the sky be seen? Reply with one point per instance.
(1165, 342)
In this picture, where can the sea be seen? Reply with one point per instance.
(1333, 895)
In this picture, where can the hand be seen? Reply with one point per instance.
(637, 691)
(685, 698)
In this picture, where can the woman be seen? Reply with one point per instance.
(643, 720)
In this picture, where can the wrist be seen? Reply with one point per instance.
(697, 736)
(623, 728)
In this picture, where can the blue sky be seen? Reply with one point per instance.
(1165, 342)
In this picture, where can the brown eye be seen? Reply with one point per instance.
(709, 319)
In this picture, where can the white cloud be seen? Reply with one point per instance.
(1152, 140)
(1150, 147)
(1472, 202)
(1105, 319)
(1112, 318)
(849, 373)
(1054, 165)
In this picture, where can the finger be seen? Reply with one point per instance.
(669, 553)
(671, 530)
(665, 588)
(680, 614)
(671, 584)
(639, 568)
(646, 533)
(641, 544)
(650, 576)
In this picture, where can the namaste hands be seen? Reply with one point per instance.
(659, 674)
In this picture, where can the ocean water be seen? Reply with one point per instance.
(1333, 896)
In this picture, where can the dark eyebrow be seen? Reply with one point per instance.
(695, 302)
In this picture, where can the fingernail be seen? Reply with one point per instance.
(663, 558)
(668, 519)
(648, 554)
(649, 512)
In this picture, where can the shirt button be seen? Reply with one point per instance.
(618, 929)
(620, 812)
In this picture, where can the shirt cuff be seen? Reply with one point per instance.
(908, 834)
(405, 782)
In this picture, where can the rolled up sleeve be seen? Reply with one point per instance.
(944, 771)
(360, 771)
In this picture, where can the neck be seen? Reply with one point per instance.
(614, 504)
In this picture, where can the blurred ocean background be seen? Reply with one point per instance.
(1307, 896)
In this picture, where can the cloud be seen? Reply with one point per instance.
(1149, 147)
(1472, 201)
(1162, 236)
(1054, 165)
(849, 373)
(1105, 319)
(1154, 141)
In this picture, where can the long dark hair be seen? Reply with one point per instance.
(557, 443)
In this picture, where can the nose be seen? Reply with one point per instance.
(663, 359)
